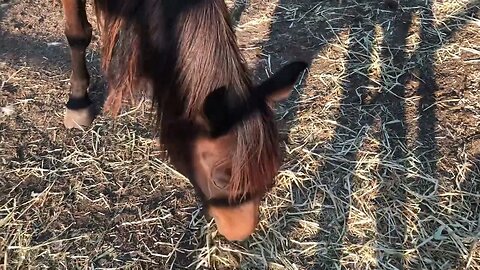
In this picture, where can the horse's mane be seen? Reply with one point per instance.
(185, 50)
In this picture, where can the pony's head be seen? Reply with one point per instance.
(217, 126)
(231, 154)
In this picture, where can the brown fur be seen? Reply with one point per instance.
(123, 82)
(206, 56)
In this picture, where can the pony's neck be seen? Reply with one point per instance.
(208, 55)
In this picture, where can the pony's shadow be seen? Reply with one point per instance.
(360, 108)
(289, 40)
(237, 10)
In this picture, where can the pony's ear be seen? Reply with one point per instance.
(280, 85)
(223, 109)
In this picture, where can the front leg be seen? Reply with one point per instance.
(78, 31)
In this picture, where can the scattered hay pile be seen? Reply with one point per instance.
(382, 166)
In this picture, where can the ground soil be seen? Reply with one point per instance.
(106, 197)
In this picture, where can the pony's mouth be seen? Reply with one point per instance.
(236, 223)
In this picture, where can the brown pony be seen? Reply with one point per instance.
(217, 127)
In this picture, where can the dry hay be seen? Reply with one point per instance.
(382, 147)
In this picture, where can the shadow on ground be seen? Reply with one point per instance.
(374, 107)
(368, 108)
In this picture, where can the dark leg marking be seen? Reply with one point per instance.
(78, 31)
